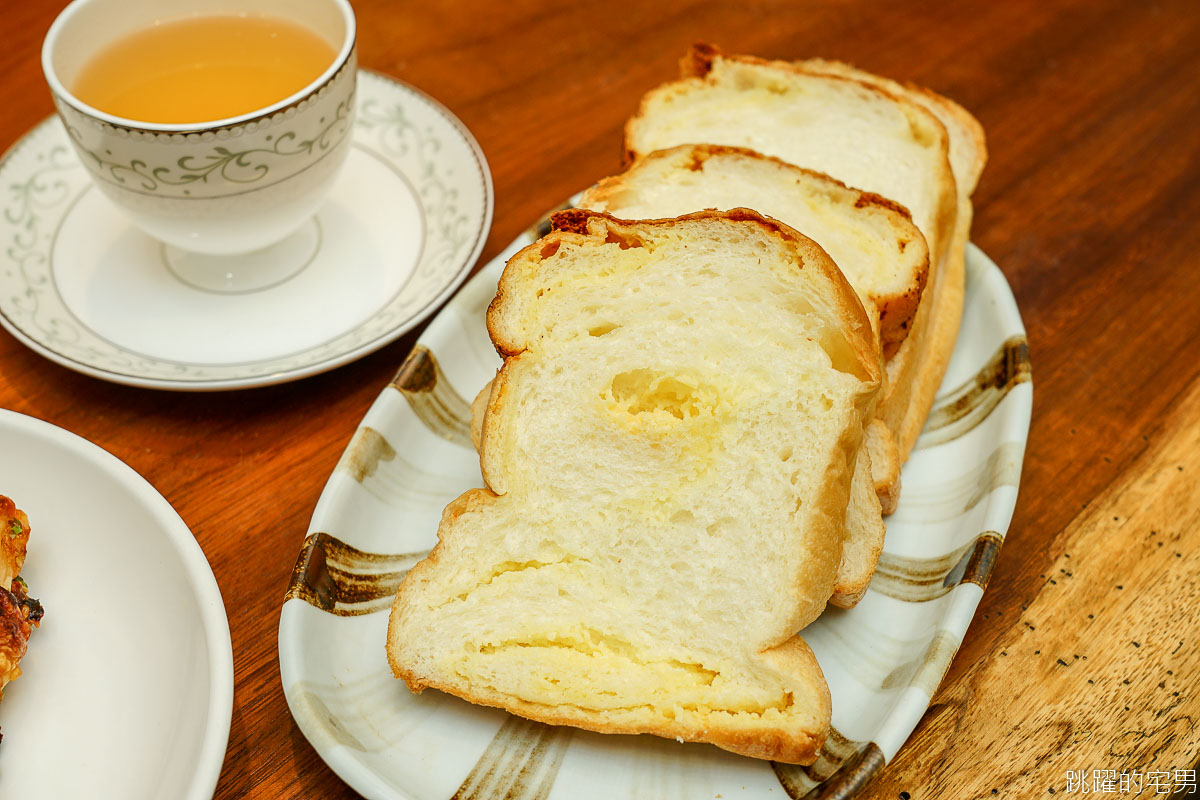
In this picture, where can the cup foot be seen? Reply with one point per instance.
(245, 273)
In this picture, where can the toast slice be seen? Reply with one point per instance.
(857, 132)
(670, 486)
(872, 240)
(968, 155)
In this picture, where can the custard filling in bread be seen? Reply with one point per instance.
(668, 448)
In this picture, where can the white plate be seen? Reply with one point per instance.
(883, 659)
(404, 223)
(127, 688)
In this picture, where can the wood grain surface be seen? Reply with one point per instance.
(1083, 655)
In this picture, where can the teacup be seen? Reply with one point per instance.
(227, 186)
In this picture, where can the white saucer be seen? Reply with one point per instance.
(401, 229)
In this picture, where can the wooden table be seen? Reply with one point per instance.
(1083, 654)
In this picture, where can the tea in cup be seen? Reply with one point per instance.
(217, 126)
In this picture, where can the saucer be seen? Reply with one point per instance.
(403, 224)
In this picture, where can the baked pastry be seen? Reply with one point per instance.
(19, 613)
(668, 487)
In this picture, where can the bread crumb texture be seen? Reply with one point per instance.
(669, 444)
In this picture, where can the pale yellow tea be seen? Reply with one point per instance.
(203, 69)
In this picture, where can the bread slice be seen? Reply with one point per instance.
(863, 535)
(855, 131)
(873, 241)
(967, 142)
(907, 401)
(670, 485)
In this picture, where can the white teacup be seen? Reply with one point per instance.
(229, 186)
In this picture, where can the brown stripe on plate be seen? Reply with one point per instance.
(343, 580)
(839, 760)
(363, 454)
(916, 580)
(520, 763)
(853, 777)
(834, 753)
(970, 403)
(432, 398)
(927, 670)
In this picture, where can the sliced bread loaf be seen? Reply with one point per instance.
(670, 485)
(872, 240)
(854, 130)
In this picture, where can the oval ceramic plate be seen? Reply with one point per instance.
(127, 687)
(883, 659)
(401, 229)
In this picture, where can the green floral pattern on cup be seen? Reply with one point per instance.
(215, 162)
(245, 166)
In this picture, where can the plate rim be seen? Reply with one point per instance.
(319, 366)
(858, 771)
(215, 621)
